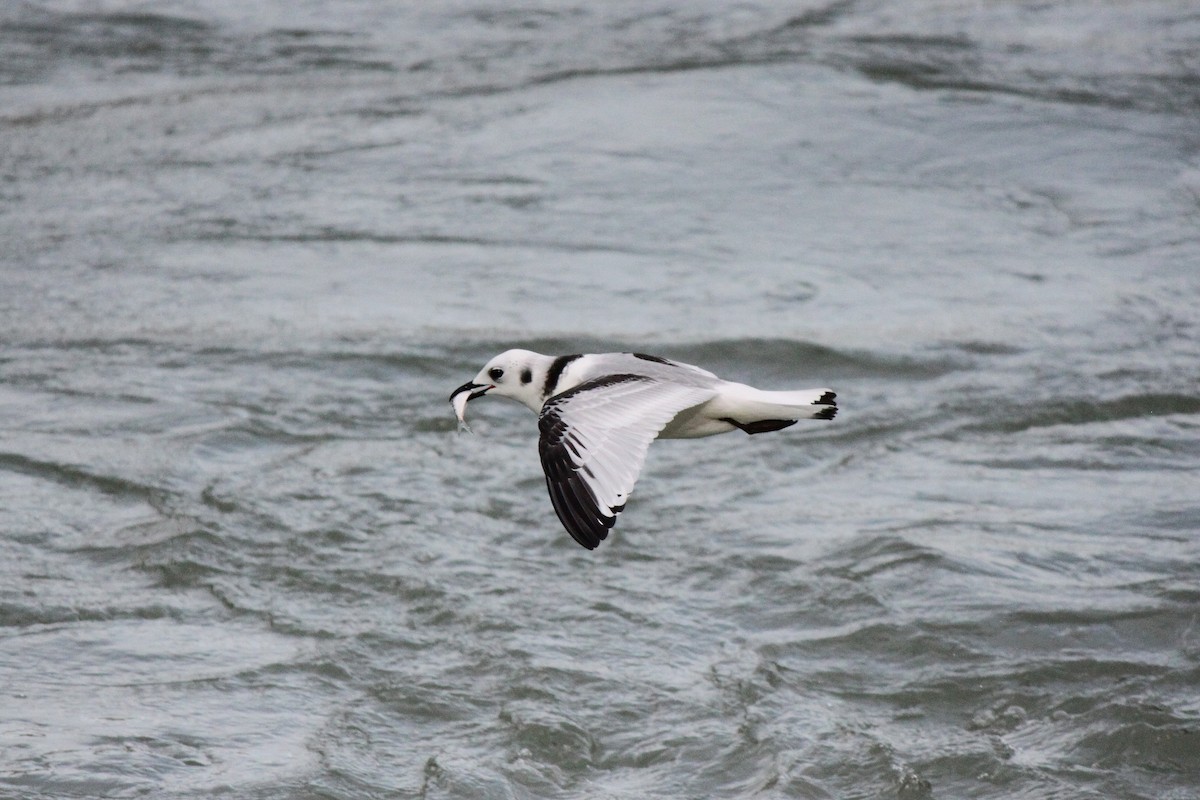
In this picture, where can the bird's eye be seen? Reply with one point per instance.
(495, 373)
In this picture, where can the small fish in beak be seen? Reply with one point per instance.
(460, 410)
(461, 396)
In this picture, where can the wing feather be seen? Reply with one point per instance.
(593, 443)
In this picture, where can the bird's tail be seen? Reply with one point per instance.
(756, 411)
(803, 404)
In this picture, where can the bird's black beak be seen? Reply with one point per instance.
(476, 390)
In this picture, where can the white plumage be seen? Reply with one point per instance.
(598, 414)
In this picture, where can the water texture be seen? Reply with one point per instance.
(249, 249)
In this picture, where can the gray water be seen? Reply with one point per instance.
(248, 250)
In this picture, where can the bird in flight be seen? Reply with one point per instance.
(598, 414)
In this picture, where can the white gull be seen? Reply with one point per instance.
(598, 414)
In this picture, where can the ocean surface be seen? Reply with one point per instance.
(248, 249)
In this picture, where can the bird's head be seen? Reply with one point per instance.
(516, 374)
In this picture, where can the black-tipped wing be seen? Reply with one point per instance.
(593, 443)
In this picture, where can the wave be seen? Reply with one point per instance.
(75, 476)
(1084, 411)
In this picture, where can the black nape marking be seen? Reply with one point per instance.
(826, 399)
(526, 375)
(555, 372)
(655, 359)
(760, 426)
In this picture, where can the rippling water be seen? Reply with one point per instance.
(249, 250)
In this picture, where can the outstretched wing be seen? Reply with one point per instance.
(593, 443)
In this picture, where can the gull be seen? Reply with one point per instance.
(598, 414)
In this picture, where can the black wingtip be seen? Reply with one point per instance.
(827, 399)
(655, 359)
(826, 413)
(760, 426)
(574, 504)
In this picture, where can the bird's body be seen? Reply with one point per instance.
(598, 414)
